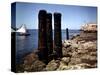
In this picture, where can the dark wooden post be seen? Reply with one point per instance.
(49, 36)
(13, 37)
(67, 34)
(42, 46)
(57, 35)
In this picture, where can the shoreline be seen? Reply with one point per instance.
(79, 52)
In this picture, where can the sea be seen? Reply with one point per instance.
(28, 44)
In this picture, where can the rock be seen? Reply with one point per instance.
(74, 46)
(35, 66)
(90, 45)
(19, 68)
(66, 43)
(74, 54)
(32, 63)
(93, 53)
(62, 66)
(89, 59)
(67, 52)
(38, 66)
(65, 60)
(29, 59)
(73, 67)
(52, 65)
(75, 61)
(82, 51)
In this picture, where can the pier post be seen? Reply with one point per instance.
(42, 46)
(49, 36)
(57, 35)
(67, 34)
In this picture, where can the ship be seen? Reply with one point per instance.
(22, 31)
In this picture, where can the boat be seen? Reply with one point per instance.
(22, 31)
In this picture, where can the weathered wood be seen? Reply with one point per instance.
(57, 35)
(42, 46)
(49, 36)
(67, 34)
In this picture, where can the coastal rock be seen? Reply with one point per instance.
(73, 67)
(75, 61)
(62, 66)
(29, 59)
(65, 60)
(35, 66)
(66, 43)
(89, 59)
(52, 65)
(82, 51)
(90, 45)
(67, 52)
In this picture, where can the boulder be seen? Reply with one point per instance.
(65, 60)
(66, 43)
(29, 59)
(90, 45)
(89, 59)
(73, 67)
(35, 66)
(52, 65)
(75, 61)
(67, 52)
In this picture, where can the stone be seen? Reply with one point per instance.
(65, 60)
(67, 52)
(90, 45)
(52, 65)
(89, 59)
(75, 61)
(29, 59)
(35, 66)
(73, 67)
(66, 43)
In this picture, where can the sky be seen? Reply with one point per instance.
(72, 16)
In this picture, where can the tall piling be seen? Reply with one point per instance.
(67, 34)
(42, 46)
(49, 36)
(57, 35)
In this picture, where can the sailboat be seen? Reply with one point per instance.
(22, 31)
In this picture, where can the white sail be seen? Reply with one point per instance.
(22, 29)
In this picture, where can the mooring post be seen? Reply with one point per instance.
(42, 46)
(57, 35)
(67, 34)
(49, 36)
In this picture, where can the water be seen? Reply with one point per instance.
(27, 44)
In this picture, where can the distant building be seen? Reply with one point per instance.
(89, 27)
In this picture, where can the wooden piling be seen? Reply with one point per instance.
(57, 35)
(67, 34)
(49, 36)
(42, 46)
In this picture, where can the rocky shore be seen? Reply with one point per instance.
(80, 52)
